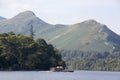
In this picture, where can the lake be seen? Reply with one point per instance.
(47, 75)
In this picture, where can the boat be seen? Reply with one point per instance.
(68, 71)
(60, 69)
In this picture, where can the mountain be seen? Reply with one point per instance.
(2, 18)
(21, 23)
(85, 45)
(88, 35)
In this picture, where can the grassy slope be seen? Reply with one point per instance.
(86, 36)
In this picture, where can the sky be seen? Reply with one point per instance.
(67, 11)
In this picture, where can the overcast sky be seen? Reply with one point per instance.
(67, 11)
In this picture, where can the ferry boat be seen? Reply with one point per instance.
(60, 69)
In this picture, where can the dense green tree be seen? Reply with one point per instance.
(20, 52)
(80, 60)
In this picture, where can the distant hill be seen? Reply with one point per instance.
(2, 18)
(88, 36)
(21, 23)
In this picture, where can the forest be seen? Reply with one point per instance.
(79, 60)
(20, 52)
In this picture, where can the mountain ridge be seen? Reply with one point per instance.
(2, 18)
(81, 36)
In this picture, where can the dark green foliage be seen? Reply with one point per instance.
(79, 60)
(19, 52)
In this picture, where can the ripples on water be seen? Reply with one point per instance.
(47, 75)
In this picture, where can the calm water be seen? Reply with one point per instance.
(46, 75)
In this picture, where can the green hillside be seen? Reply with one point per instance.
(87, 36)
(79, 43)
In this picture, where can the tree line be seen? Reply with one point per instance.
(20, 52)
(91, 60)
